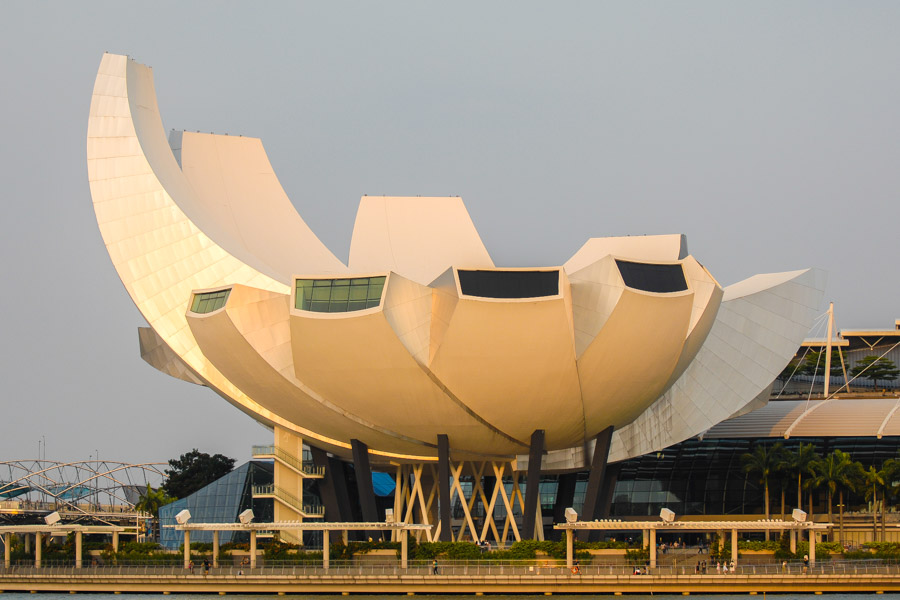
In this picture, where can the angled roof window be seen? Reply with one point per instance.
(338, 295)
(509, 284)
(207, 302)
(649, 277)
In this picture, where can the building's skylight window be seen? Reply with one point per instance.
(509, 284)
(209, 301)
(338, 295)
(660, 279)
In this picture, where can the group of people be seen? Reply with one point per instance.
(702, 567)
(205, 567)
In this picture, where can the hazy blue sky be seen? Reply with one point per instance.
(768, 132)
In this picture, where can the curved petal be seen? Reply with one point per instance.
(418, 238)
(234, 184)
(759, 326)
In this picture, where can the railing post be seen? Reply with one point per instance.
(187, 548)
(404, 549)
(252, 548)
(78, 556)
(7, 541)
(37, 550)
(326, 549)
(570, 548)
(215, 557)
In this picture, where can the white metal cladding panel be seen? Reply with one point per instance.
(160, 255)
(750, 328)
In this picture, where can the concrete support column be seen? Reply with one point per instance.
(115, 541)
(721, 535)
(532, 486)
(345, 537)
(252, 548)
(404, 549)
(645, 538)
(187, 548)
(570, 548)
(326, 550)
(734, 550)
(444, 487)
(652, 548)
(794, 541)
(215, 562)
(78, 550)
(591, 508)
(7, 544)
(812, 548)
(27, 543)
(38, 548)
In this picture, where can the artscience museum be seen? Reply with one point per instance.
(419, 357)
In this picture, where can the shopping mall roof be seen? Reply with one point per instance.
(835, 417)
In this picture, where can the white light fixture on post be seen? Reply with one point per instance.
(52, 519)
(667, 515)
(571, 515)
(183, 517)
(798, 515)
(246, 516)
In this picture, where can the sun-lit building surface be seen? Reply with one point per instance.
(420, 355)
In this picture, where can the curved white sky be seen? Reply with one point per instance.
(767, 132)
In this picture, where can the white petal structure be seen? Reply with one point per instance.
(421, 335)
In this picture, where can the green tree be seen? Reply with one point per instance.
(876, 369)
(799, 463)
(874, 481)
(195, 470)
(763, 461)
(837, 472)
(891, 473)
(151, 501)
(814, 364)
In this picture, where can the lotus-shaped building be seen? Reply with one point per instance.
(421, 337)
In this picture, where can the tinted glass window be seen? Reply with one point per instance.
(338, 295)
(208, 302)
(509, 284)
(660, 279)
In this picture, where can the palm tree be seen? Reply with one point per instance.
(152, 500)
(800, 463)
(764, 462)
(874, 480)
(891, 471)
(836, 472)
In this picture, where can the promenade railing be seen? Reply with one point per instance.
(450, 568)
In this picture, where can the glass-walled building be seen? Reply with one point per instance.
(220, 502)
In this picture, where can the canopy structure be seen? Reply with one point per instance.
(325, 528)
(38, 531)
(735, 527)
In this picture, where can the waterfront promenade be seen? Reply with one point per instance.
(451, 579)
